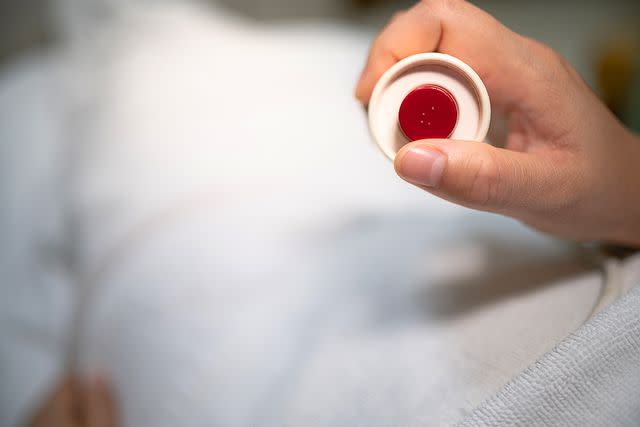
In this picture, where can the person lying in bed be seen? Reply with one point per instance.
(568, 167)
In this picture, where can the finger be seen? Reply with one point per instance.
(100, 408)
(405, 35)
(65, 394)
(484, 177)
(61, 408)
(457, 28)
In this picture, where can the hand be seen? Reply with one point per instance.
(568, 167)
(73, 404)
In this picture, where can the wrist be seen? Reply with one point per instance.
(627, 231)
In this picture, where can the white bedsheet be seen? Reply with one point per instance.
(35, 305)
(245, 255)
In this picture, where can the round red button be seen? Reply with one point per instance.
(429, 111)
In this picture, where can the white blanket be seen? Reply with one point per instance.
(193, 206)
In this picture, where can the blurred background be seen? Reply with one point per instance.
(600, 38)
(99, 134)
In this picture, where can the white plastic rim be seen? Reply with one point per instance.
(474, 107)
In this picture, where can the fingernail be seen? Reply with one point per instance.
(422, 166)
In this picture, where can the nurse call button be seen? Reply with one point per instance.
(428, 111)
(425, 96)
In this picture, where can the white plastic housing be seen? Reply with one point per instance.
(474, 108)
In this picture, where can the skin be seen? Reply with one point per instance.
(77, 404)
(567, 166)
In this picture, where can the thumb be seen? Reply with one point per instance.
(478, 175)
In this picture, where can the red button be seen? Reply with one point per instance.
(429, 111)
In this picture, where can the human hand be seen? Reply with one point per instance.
(568, 166)
(74, 404)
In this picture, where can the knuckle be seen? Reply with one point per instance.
(484, 182)
(576, 191)
(546, 62)
(443, 4)
(381, 44)
(451, 5)
(550, 56)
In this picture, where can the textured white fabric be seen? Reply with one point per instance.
(590, 379)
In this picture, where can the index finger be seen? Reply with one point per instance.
(454, 27)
